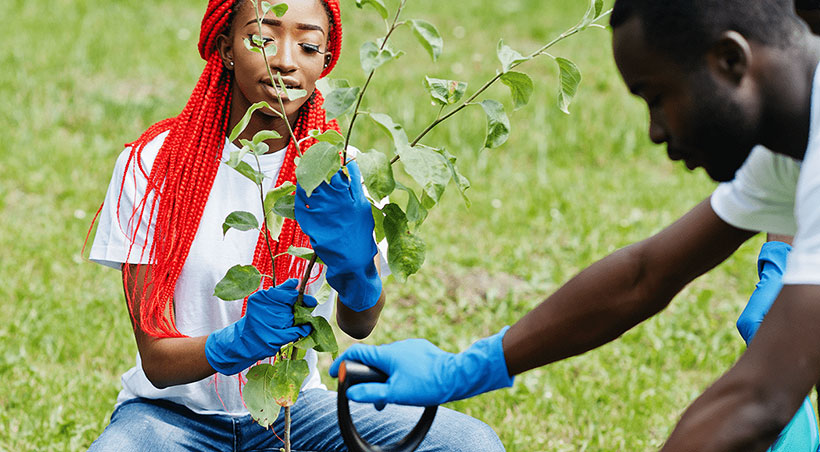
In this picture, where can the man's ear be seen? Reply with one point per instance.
(730, 57)
(223, 46)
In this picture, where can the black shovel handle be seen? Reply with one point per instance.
(351, 373)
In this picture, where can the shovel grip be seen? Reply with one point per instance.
(351, 373)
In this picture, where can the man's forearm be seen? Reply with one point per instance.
(746, 408)
(593, 308)
(621, 290)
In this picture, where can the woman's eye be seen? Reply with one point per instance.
(256, 39)
(309, 48)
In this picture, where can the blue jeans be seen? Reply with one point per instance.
(143, 425)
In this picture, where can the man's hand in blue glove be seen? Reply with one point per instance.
(266, 326)
(339, 222)
(771, 264)
(421, 374)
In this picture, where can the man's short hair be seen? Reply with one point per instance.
(807, 5)
(687, 28)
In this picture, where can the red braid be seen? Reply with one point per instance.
(185, 167)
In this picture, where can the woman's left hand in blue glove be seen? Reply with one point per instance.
(338, 219)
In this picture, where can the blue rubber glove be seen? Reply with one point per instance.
(771, 264)
(339, 222)
(421, 374)
(266, 326)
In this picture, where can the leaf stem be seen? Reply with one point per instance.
(305, 277)
(264, 216)
(390, 31)
(276, 85)
(287, 429)
(439, 119)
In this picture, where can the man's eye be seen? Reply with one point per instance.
(309, 48)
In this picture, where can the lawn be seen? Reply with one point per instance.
(81, 78)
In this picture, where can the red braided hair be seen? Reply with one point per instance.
(185, 167)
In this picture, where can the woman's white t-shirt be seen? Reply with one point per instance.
(197, 311)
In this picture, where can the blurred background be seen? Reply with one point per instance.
(80, 78)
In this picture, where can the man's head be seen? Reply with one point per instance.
(809, 10)
(697, 64)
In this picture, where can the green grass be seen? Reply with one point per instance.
(81, 78)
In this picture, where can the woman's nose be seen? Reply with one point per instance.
(283, 61)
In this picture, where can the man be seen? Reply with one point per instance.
(719, 78)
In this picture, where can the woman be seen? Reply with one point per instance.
(161, 225)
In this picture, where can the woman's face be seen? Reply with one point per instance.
(300, 37)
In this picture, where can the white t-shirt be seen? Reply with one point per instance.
(777, 194)
(197, 311)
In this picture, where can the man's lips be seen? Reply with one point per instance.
(688, 158)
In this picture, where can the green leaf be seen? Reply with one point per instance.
(498, 125)
(272, 386)
(241, 220)
(259, 397)
(428, 36)
(275, 219)
(236, 157)
(330, 136)
(285, 207)
(405, 252)
(264, 135)
(396, 131)
(257, 43)
(339, 101)
(372, 57)
(288, 376)
(378, 220)
(594, 10)
(304, 253)
(377, 173)
(461, 182)
(319, 163)
(251, 47)
(246, 170)
(305, 343)
(323, 294)
(322, 333)
(239, 282)
(256, 148)
(240, 126)
(521, 87)
(416, 213)
(428, 168)
(326, 85)
(570, 79)
(508, 56)
(445, 92)
(279, 9)
(377, 4)
(291, 93)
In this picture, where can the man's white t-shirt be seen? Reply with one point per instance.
(777, 194)
(197, 311)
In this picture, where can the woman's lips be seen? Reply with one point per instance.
(277, 91)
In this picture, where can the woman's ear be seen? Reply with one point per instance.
(225, 49)
(730, 57)
(328, 58)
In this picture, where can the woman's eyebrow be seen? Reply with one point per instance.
(278, 23)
